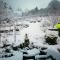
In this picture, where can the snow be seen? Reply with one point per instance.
(50, 51)
(34, 31)
(36, 35)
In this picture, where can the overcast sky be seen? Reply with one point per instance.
(28, 4)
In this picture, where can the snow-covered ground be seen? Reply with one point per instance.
(18, 55)
(36, 32)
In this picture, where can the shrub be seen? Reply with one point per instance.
(51, 40)
(21, 46)
(8, 51)
(15, 48)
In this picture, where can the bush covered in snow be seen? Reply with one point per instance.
(51, 40)
(51, 37)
